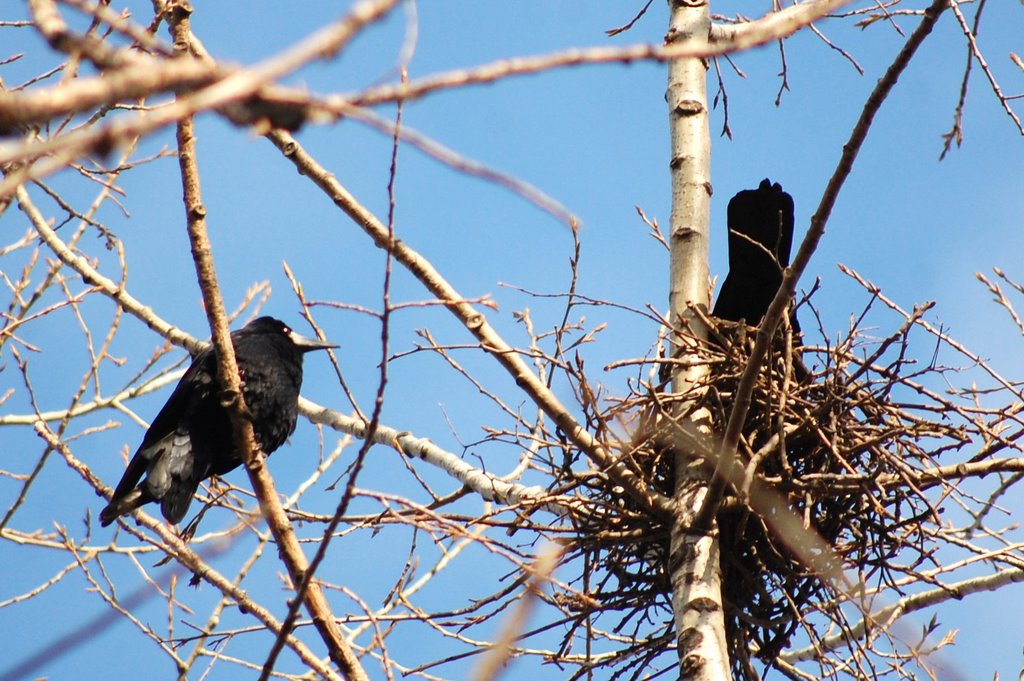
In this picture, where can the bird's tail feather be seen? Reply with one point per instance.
(119, 506)
(178, 498)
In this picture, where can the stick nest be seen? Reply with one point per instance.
(838, 444)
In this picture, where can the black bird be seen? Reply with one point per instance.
(760, 237)
(190, 439)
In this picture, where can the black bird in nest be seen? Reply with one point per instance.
(760, 237)
(190, 439)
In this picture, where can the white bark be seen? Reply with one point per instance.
(694, 559)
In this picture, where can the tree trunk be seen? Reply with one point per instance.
(694, 558)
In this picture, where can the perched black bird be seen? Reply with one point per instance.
(190, 439)
(760, 237)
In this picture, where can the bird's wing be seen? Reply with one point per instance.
(165, 424)
(176, 471)
(194, 386)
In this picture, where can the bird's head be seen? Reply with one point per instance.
(269, 325)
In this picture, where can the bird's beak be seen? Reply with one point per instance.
(309, 344)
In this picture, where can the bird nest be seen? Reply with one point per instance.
(834, 443)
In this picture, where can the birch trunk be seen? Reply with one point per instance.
(694, 559)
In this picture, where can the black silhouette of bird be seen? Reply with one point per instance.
(760, 237)
(190, 439)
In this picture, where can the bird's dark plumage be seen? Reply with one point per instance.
(190, 439)
(760, 238)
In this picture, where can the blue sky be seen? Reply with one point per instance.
(592, 137)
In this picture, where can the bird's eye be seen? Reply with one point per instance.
(286, 329)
